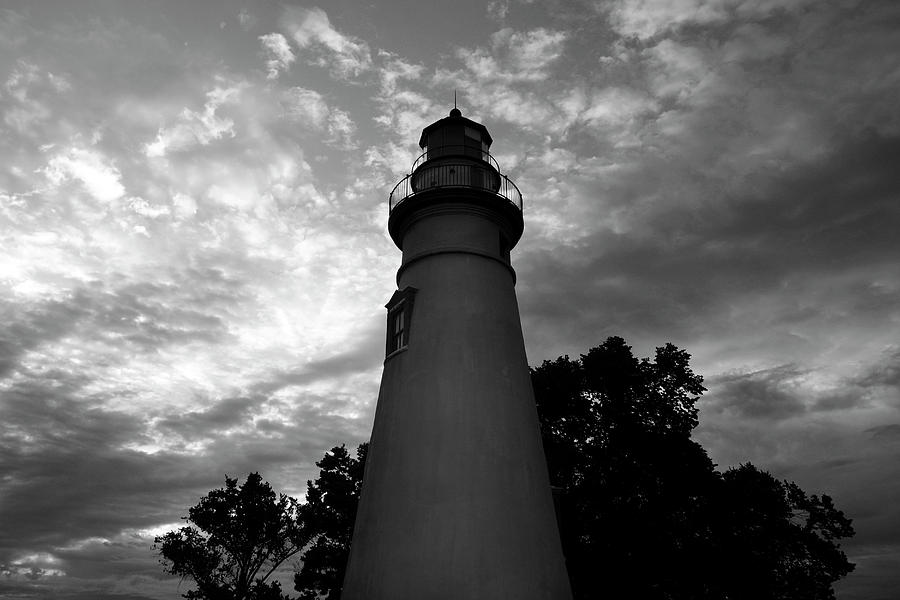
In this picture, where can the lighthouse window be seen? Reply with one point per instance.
(398, 329)
(399, 313)
(473, 144)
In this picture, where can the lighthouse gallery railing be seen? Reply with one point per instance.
(442, 170)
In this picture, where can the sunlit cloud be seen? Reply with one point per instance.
(29, 92)
(33, 566)
(196, 127)
(311, 29)
(517, 55)
(279, 55)
(310, 110)
(393, 69)
(649, 18)
(100, 178)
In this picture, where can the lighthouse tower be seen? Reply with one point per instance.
(456, 502)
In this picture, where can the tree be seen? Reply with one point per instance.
(238, 537)
(644, 504)
(328, 517)
(635, 486)
(785, 536)
(645, 514)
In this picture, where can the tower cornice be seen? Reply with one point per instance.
(471, 201)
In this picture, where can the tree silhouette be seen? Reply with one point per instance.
(237, 538)
(644, 512)
(781, 535)
(643, 504)
(328, 516)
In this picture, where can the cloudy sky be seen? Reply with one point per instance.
(194, 259)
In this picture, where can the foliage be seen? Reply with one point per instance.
(644, 512)
(328, 517)
(238, 537)
(643, 502)
(784, 536)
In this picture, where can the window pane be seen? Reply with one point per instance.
(397, 317)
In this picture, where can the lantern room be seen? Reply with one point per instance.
(456, 135)
(456, 154)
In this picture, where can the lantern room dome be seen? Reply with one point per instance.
(453, 131)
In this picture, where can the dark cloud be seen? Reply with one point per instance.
(219, 417)
(768, 394)
(865, 489)
(840, 400)
(142, 316)
(778, 420)
(68, 476)
(27, 327)
(875, 576)
(188, 308)
(786, 391)
(891, 431)
(821, 237)
(73, 490)
(885, 374)
(68, 479)
(366, 353)
(64, 588)
(835, 213)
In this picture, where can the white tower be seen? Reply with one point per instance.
(456, 502)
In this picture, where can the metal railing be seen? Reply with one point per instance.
(456, 173)
(451, 151)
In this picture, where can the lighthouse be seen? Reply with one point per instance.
(456, 501)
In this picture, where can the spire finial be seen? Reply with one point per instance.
(455, 112)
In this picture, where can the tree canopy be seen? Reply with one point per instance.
(644, 513)
(328, 517)
(644, 505)
(237, 537)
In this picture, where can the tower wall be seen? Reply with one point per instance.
(456, 501)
